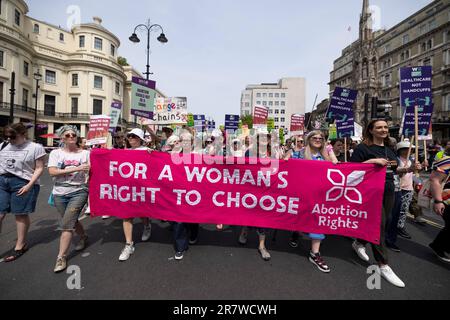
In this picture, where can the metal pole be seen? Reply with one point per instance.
(35, 110)
(12, 92)
(148, 53)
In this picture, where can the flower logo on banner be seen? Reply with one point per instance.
(345, 186)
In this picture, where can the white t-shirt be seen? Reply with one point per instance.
(71, 182)
(20, 160)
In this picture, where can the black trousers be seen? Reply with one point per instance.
(442, 241)
(380, 250)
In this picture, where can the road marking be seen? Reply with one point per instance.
(431, 223)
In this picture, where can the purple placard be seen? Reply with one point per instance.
(115, 114)
(423, 117)
(341, 109)
(146, 83)
(415, 86)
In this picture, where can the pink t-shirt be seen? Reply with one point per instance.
(406, 180)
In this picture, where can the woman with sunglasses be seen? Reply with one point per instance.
(375, 149)
(21, 165)
(135, 141)
(315, 149)
(69, 166)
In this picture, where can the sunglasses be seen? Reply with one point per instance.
(132, 136)
(70, 135)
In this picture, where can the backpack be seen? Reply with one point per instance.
(4, 144)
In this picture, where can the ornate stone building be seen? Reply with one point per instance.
(372, 63)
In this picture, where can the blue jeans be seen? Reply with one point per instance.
(180, 235)
(11, 202)
(391, 225)
(69, 206)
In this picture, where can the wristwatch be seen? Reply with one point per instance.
(436, 201)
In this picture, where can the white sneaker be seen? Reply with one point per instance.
(126, 252)
(360, 251)
(390, 276)
(106, 217)
(147, 232)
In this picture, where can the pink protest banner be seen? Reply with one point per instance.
(260, 114)
(308, 196)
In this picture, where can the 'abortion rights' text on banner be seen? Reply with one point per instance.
(308, 196)
(341, 109)
(415, 86)
(424, 120)
(171, 111)
(142, 97)
(116, 110)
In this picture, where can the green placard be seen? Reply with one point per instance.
(270, 124)
(332, 132)
(190, 121)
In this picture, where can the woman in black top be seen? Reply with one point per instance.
(375, 149)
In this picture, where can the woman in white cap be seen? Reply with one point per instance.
(135, 141)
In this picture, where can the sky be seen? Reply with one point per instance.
(217, 47)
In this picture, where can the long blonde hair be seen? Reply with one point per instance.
(322, 150)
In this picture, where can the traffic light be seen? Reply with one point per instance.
(381, 109)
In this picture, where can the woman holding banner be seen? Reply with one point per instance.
(135, 141)
(264, 151)
(375, 149)
(315, 150)
(69, 166)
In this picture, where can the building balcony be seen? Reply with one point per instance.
(27, 112)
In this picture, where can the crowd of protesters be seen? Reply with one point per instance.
(22, 162)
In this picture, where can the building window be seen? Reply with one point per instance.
(75, 80)
(61, 37)
(446, 104)
(74, 106)
(36, 28)
(276, 119)
(429, 44)
(117, 87)
(25, 97)
(427, 62)
(82, 39)
(25, 68)
(270, 95)
(283, 111)
(247, 104)
(277, 111)
(264, 95)
(277, 103)
(97, 108)
(1, 58)
(405, 39)
(387, 48)
(113, 50)
(283, 103)
(98, 82)
(277, 95)
(447, 57)
(270, 103)
(49, 105)
(422, 29)
(258, 102)
(264, 103)
(431, 24)
(283, 95)
(423, 47)
(17, 17)
(282, 119)
(1, 91)
(258, 95)
(270, 111)
(98, 44)
(50, 77)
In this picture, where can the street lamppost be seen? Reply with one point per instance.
(37, 77)
(134, 38)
